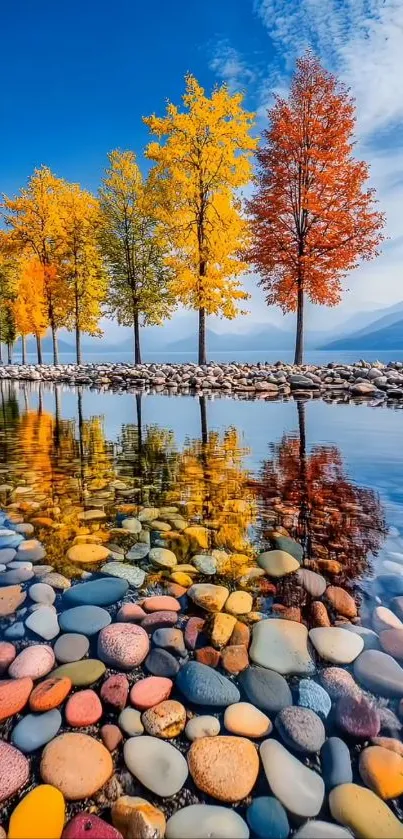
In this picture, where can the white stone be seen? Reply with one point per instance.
(206, 821)
(282, 646)
(44, 622)
(335, 644)
(42, 593)
(203, 726)
(322, 830)
(156, 764)
(299, 789)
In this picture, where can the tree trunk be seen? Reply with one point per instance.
(78, 344)
(23, 350)
(202, 336)
(304, 511)
(203, 420)
(55, 347)
(299, 340)
(1, 351)
(9, 352)
(39, 348)
(136, 329)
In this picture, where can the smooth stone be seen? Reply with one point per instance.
(15, 576)
(14, 694)
(161, 603)
(282, 646)
(314, 829)
(391, 641)
(148, 513)
(78, 765)
(89, 826)
(162, 557)
(301, 729)
(208, 596)
(166, 720)
(300, 790)
(130, 613)
(364, 813)
(83, 708)
(131, 524)
(56, 580)
(31, 549)
(7, 555)
(266, 689)
(15, 632)
(123, 645)
(383, 618)
(205, 564)
(7, 655)
(341, 601)
(71, 647)
(20, 564)
(35, 730)
(203, 726)
(244, 719)
(81, 673)
(131, 573)
(156, 764)
(336, 763)
(101, 592)
(313, 696)
(160, 662)
(86, 620)
(159, 620)
(312, 582)
(379, 673)
(170, 639)
(42, 570)
(370, 638)
(203, 821)
(382, 771)
(111, 736)
(397, 606)
(239, 603)
(286, 543)
(115, 691)
(221, 627)
(44, 623)
(150, 691)
(89, 552)
(130, 722)
(267, 818)
(332, 643)
(42, 593)
(204, 686)
(389, 743)
(138, 552)
(358, 717)
(391, 583)
(11, 598)
(35, 661)
(278, 563)
(49, 694)
(224, 767)
(14, 770)
(39, 814)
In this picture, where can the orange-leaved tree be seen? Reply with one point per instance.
(30, 307)
(313, 215)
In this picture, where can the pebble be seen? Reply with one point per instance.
(205, 564)
(101, 592)
(224, 767)
(383, 618)
(208, 656)
(313, 696)
(130, 613)
(266, 689)
(193, 629)
(150, 691)
(54, 579)
(42, 593)
(244, 719)
(166, 720)
(115, 691)
(234, 659)
(170, 639)
(136, 818)
(81, 673)
(300, 790)
(240, 635)
(130, 722)
(131, 524)
(341, 601)
(123, 645)
(78, 765)
(162, 557)
(369, 637)
(278, 563)
(15, 632)
(336, 763)
(382, 770)
(158, 765)
(301, 729)
(208, 596)
(239, 603)
(312, 582)
(133, 575)
(379, 673)
(31, 549)
(87, 553)
(319, 615)
(39, 814)
(85, 620)
(34, 730)
(391, 641)
(89, 826)
(357, 716)
(364, 813)
(11, 598)
(14, 770)
(159, 620)
(204, 686)
(7, 655)
(221, 627)
(203, 726)
(14, 694)
(111, 736)
(267, 818)
(44, 623)
(161, 663)
(137, 552)
(203, 821)
(336, 644)
(83, 708)
(71, 647)
(35, 661)
(389, 743)
(339, 682)
(315, 829)
(282, 646)
(161, 603)
(49, 694)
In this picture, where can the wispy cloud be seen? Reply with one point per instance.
(228, 64)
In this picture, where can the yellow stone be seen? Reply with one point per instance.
(198, 535)
(40, 815)
(222, 627)
(136, 818)
(239, 603)
(87, 553)
(364, 813)
(181, 578)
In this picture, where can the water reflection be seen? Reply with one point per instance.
(63, 464)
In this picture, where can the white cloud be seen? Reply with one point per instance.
(230, 67)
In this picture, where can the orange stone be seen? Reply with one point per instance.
(240, 635)
(235, 659)
(389, 743)
(49, 694)
(330, 566)
(83, 708)
(11, 598)
(341, 601)
(382, 770)
(319, 614)
(14, 694)
(287, 613)
(208, 655)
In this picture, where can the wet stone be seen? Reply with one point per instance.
(150, 691)
(266, 689)
(123, 645)
(44, 622)
(130, 722)
(71, 647)
(314, 697)
(300, 790)
(115, 691)
(202, 821)
(101, 592)
(171, 640)
(14, 770)
(89, 826)
(203, 686)
(159, 620)
(203, 726)
(379, 673)
(224, 767)
(81, 673)
(35, 662)
(157, 764)
(358, 717)
(134, 576)
(267, 818)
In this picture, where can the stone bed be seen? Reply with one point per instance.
(362, 380)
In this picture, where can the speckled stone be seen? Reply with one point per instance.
(14, 770)
(115, 691)
(357, 716)
(123, 645)
(35, 661)
(76, 764)
(224, 767)
(204, 686)
(136, 818)
(313, 696)
(89, 826)
(162, 557)
(301, 729)
(83, 708)
(133, 575)
(166, 720)
(339, 682)
(14, 694)
(158, 620)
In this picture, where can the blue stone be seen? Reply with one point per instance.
(290, 546)
(266, 689)
(314, 697)
(267, 818)
(15, 631)
(202, 685)
(9, 539)
(392, 583)
(336, 763)
(86, 620)
(102, 592)
(34, 730)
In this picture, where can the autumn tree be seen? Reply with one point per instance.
(313, 217)
(29, 305)
(135, 250)
(8, 332)
(202, 157)
(33, 221)
(80, 261)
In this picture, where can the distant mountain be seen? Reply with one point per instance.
(272, 338)
(385, 332)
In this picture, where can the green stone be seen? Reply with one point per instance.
(81, 673)
(285, 543)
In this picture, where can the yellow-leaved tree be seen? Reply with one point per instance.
(29, 305)
(33, 220)
(202, 158)
(135, 248)
(81, 261)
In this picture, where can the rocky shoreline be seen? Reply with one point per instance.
(362, 380)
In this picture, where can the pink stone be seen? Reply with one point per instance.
(123, 645)
(159, 620)
(193, 628)
(115, 691)
(111, 736)
(83, 708)
(130, 613)
(150, 691)
(161, 603)
(35, 662)
(89, 826)
(7, 655)
(14, 770)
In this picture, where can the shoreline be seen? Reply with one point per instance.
(375, 380)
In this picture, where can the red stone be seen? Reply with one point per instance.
(208, 655)
(240, 635)
(319, 614)
(159, 620)
(7, 655)
(150, 691)
(88, 826)
(83, 708)
(115, 691)
(14, 694)
(235, 659)
(175, 589)
(193, 628)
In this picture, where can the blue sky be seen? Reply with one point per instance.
(78, 77)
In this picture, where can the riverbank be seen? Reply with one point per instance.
(264, 380)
